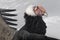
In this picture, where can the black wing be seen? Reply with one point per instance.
(9, 19)
(6, 19)
(10, 23)
(7, 10)
(8, 14)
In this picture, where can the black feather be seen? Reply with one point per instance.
(6, 19)
(7, 10)
(10, 23)
(8, 14)
(9, 19)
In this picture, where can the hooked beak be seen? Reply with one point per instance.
(46, 14)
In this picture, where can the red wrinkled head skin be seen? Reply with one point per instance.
(39, 10)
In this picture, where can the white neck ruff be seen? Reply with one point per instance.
(30, 11)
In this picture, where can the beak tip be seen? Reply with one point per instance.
(46, 14)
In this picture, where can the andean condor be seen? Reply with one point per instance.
(35, 27)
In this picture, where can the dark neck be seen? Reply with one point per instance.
(31, 19)
(34, 23)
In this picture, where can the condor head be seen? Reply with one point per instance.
(38, 10)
